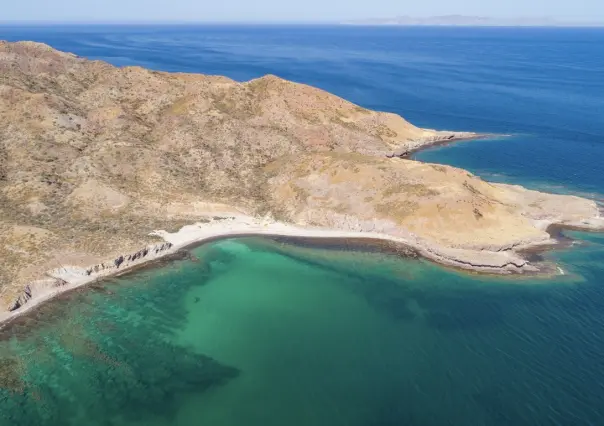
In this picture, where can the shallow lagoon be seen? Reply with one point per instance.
(259, 332)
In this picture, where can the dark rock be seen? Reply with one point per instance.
(16, 305)
(401, 153)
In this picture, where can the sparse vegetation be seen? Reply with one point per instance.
(471, 188)
(148, 148)
(409, 189)
(397, 210)
(385, 132)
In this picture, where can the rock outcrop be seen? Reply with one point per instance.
(33, 289)
(72, 275)
(432, 138)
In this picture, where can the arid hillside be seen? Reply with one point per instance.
(94, 157)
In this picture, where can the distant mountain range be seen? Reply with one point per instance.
(473, 21)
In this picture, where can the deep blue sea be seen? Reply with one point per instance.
(260, 333)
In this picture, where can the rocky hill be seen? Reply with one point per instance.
(93, 157)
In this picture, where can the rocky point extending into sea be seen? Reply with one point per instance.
(105, 168)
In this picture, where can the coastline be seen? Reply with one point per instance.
(517, 260)
(177, 244)
(318, 159)
(437, 138)
(465, 137)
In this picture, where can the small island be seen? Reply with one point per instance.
(104, 169)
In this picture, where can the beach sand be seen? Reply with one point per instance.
(176, 244)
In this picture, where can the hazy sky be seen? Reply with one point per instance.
(288, 10)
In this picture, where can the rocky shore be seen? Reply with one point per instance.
(505, 260)
(436, 138)
(93, 157)
(67, 278)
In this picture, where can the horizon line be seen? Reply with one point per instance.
(161, 22)
(358, 23)
(335, 23)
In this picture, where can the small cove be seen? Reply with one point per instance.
(260, 332)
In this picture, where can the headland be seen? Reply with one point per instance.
(94, 158)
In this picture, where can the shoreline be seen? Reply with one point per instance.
(439, 138)
(456, 139)
(182, 147)
(176, 246)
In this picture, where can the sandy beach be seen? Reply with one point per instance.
(68, 278)
(206, 157)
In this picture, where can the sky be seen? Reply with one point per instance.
(288, 10)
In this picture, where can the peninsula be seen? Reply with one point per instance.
(103, 169)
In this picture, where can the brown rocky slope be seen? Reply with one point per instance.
(93, 157)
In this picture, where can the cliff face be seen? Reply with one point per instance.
(93, 157)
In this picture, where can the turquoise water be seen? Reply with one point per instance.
(259, 333)
(264, 333)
